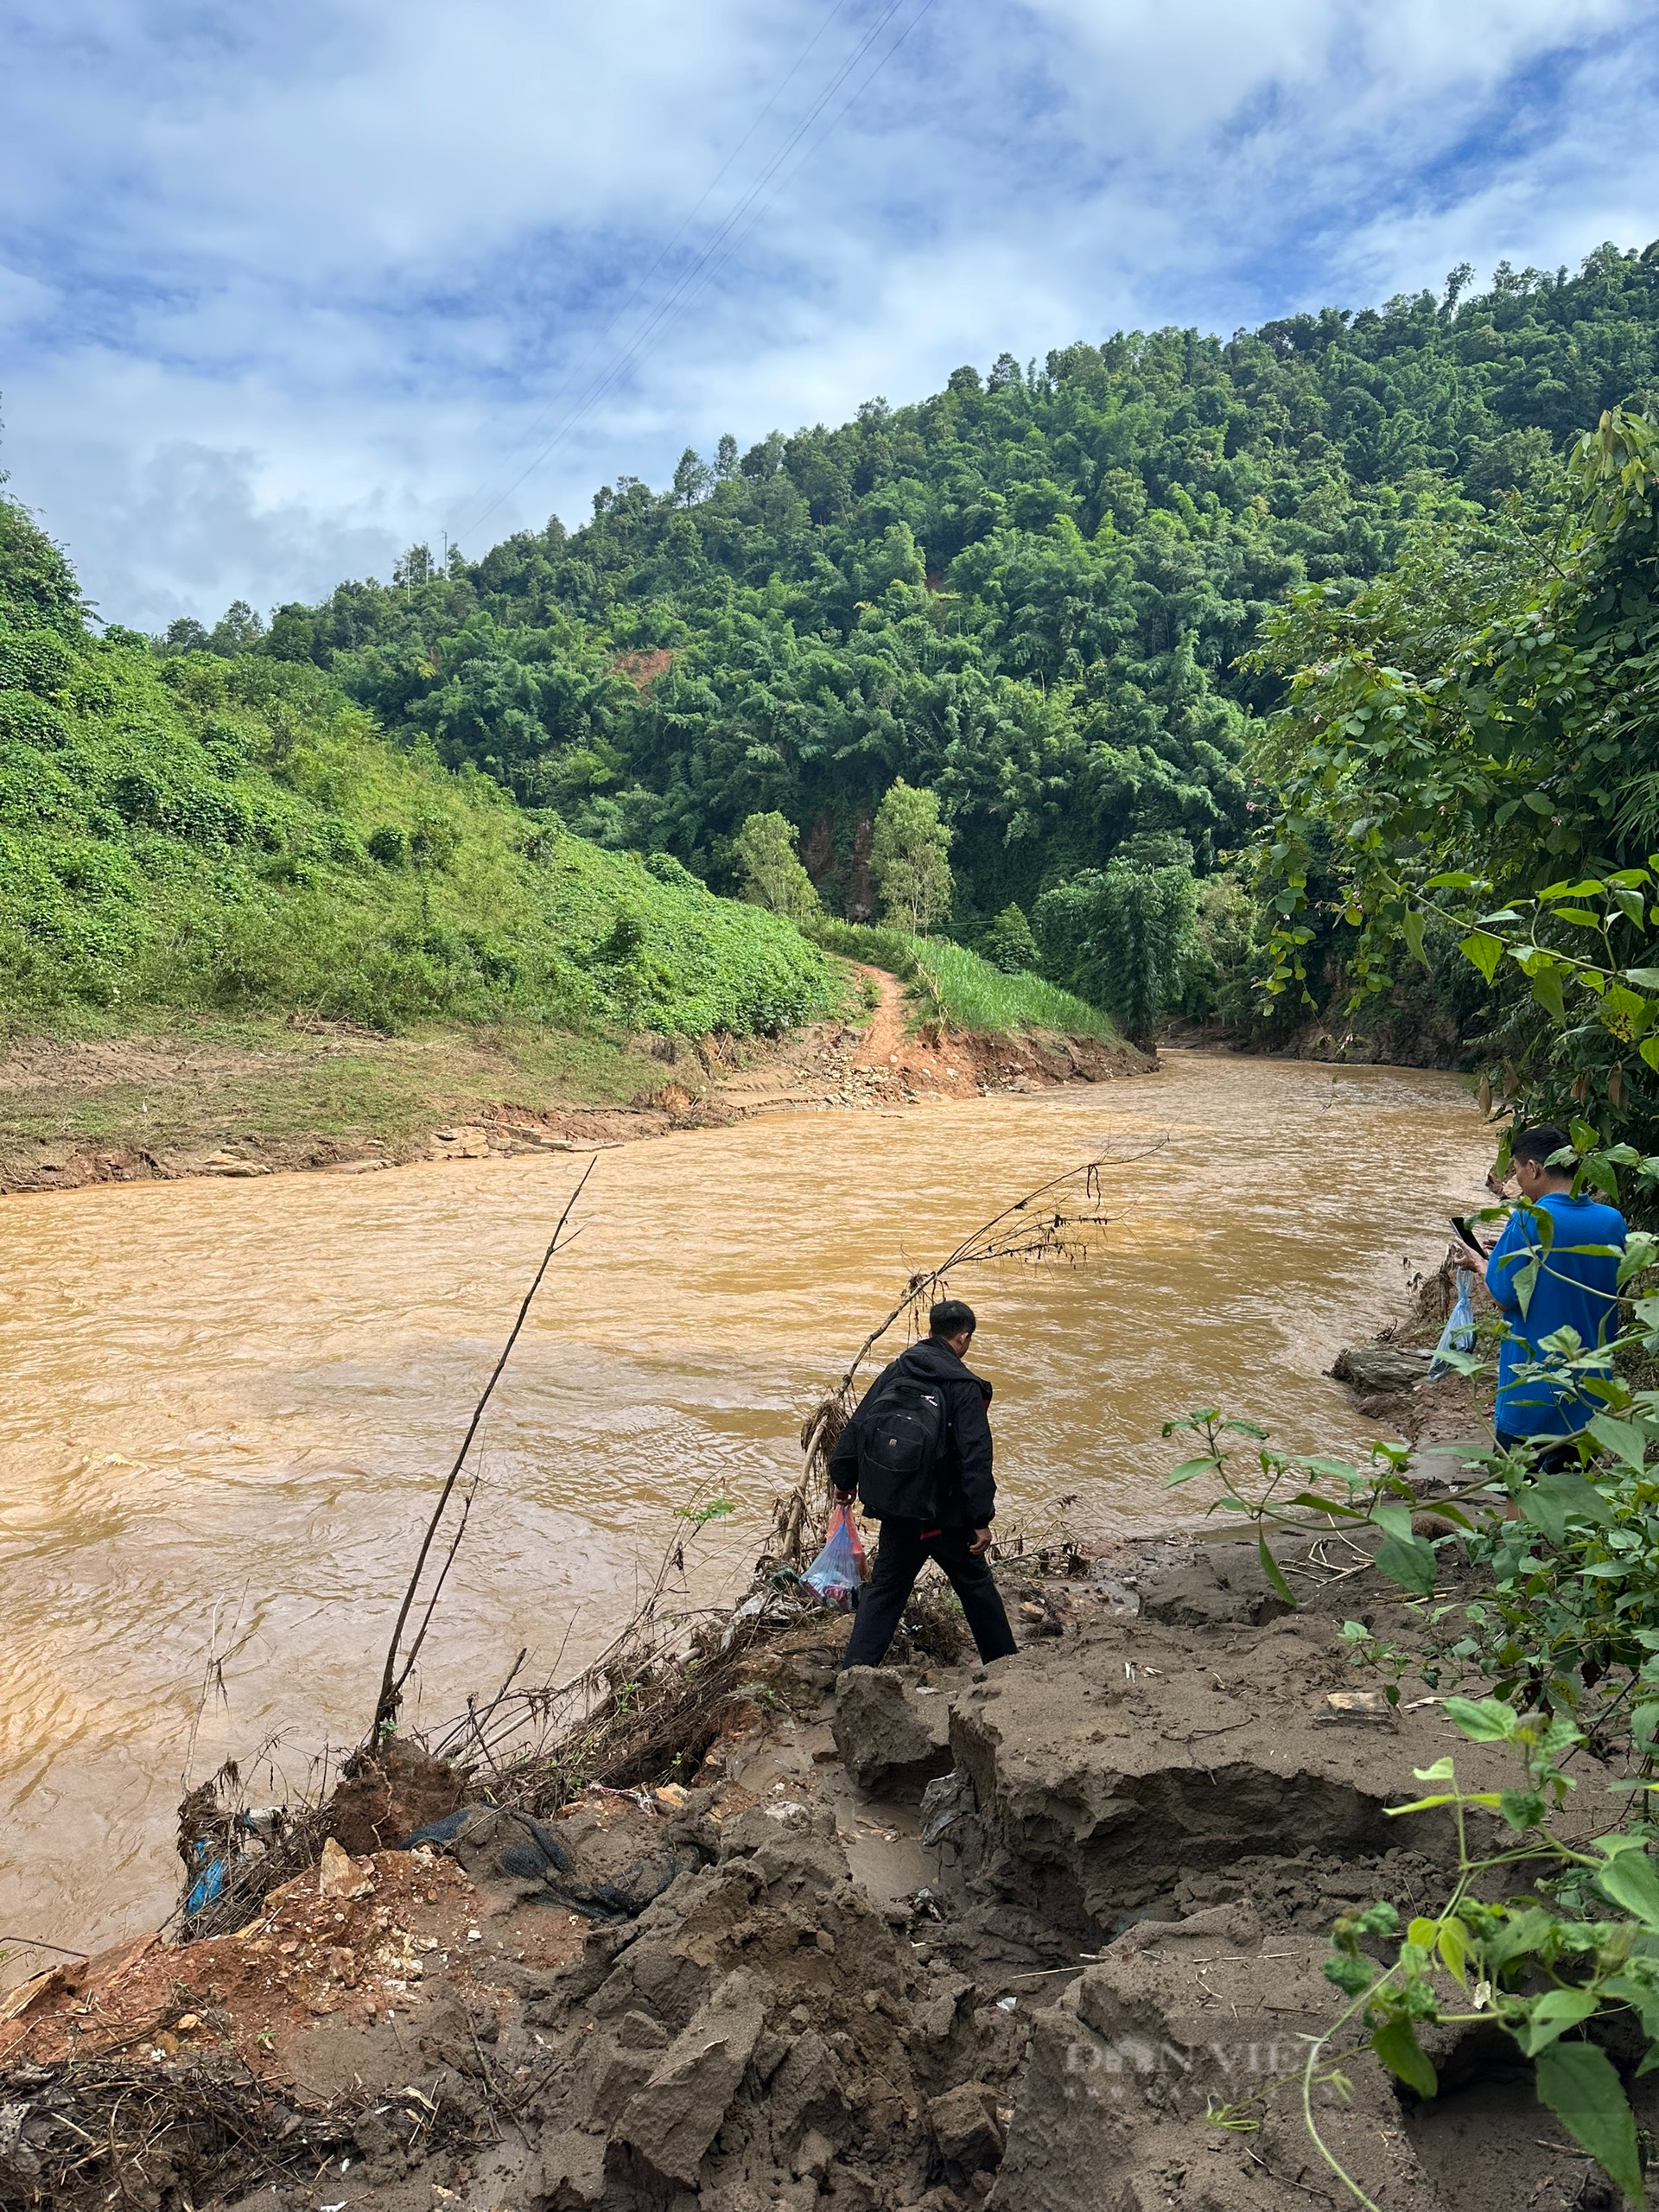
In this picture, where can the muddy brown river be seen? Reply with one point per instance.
(227, 1404)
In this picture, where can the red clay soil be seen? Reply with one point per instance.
(643, 668)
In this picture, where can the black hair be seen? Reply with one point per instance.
(950, 1318)
(1541, 1144)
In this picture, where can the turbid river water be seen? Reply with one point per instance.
(226, 1404)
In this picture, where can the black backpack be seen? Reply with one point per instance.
(902, 1441)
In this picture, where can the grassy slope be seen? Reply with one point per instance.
(231, 908)
(946, 979)
(204, 835)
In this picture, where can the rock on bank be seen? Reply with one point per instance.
(1103, 1923)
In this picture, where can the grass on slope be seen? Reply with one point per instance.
(946, 979)
(204, 834)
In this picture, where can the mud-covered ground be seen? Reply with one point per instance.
(145, 1108)
(938, 1935)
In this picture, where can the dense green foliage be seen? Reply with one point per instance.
(1467, 775)
(1030, 593)
(769, 868)
(1123, 935)
(909, 858)
(204, 831)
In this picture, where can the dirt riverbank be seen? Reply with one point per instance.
(328, 1098)
(939, 1935)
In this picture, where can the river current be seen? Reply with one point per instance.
(227, 1404)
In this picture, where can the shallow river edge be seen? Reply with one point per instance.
(154, 1108)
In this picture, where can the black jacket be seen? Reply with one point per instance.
(970, 1487)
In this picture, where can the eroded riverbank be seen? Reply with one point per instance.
(1046, 1936)
(239, 1101)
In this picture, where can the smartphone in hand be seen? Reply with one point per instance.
(1467, 1235)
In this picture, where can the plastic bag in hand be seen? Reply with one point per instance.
(1459, 1334)
(837, 1574)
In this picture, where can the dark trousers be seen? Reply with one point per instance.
(903, 1553)
(1552, 1458)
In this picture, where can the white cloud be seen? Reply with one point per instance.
(281, 291)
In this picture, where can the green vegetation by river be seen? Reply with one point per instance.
(1035, 593)
(237, 835)
(1052, 602)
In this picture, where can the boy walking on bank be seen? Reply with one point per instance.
(1576, 1288)
(917, 1452)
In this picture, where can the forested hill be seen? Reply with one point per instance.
(1029, 592)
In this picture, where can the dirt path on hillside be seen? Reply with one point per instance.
(885, 1034)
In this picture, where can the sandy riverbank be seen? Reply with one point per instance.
(330, 1099)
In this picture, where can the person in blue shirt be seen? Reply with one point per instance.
(1574, 1288)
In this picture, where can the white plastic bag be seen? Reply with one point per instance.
(1459, 1334)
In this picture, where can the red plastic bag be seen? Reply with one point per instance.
(838, 1573)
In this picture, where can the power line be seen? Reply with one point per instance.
(752, 204)
(640, 282)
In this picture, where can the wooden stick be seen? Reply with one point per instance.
(392, 1681)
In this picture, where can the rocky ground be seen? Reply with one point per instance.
(939, 1935)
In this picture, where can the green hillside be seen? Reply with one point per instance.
(235, 835)
(1032, 592)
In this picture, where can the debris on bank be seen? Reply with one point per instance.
(925, 1938)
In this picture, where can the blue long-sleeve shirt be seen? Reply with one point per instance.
(1573, 1290)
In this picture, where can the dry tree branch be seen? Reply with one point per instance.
(1032, 1227)
(661, 1684)
(392, 1679)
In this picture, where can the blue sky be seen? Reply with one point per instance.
(282, 289)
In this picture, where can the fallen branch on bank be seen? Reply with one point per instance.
(650, 1705)
(128, 2131)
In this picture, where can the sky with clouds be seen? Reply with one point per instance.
(283, 289)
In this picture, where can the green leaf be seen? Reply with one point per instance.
(1522, 1808)
(1491, 1722)
(1538, 802)
(1317, 1503)
(1546, 1502)
(1546, 981)
(1581, 915)
(1405, 1559)
(1631, 1881)
(1453, 1946)
(1645, 979)
(1556, 2011)
(1483, 950)
(1411, 926)
(1396, 2043)
(1630, 903)
(1577, 2082)
(1622, 1439)
(1270, 1569)
(1190, 1468)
